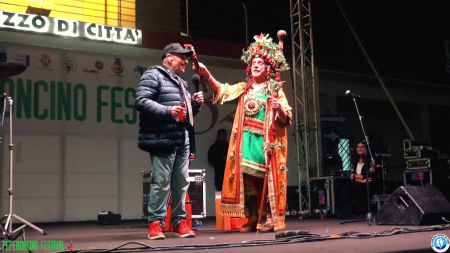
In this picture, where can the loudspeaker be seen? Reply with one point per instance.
(414, 205)
(109, 218)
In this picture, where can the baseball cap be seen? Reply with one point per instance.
(175, 48)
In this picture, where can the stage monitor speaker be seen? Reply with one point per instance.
(414, 205)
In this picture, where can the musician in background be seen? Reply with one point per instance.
(217, 156)
(356, 188)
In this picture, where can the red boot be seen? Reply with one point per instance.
(268, 226)
(155, 231)
(250, 226)
(183, 230)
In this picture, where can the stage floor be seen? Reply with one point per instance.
(89, 236)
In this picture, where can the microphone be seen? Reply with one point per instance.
(348, 92)
(196, 82)
(3, 96)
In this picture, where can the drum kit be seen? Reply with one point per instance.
(8, 70)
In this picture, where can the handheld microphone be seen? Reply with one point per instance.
(348, 92)
(3, 96)
(196, 82)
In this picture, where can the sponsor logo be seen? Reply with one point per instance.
(69, 64)
(22, 59)
(46, 62)
(117, 67)
(98, 65)
(94, 71)
(140, 70)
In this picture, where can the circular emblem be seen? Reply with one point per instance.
(440, 243)
(99, 65)
(69, 64)
(252, 106)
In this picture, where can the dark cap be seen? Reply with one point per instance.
(221, 131)
(175, 48)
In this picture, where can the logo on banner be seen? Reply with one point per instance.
(22, 59)
(140, 70)
(117, 67)
(98, 65)
(69, 64)
(46, 62)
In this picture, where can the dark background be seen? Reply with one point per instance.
(404, 39)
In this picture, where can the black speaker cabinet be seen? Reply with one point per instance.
(414, 205)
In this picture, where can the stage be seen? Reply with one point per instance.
(90, 236)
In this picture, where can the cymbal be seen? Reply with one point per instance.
(8, 69)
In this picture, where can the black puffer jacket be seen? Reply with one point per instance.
(158, 91)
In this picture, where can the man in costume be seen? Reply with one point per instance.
(262, 110)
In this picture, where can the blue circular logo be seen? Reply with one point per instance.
(440, 243)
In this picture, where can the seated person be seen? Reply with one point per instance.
(356, 188)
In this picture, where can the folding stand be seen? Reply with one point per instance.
(7, 229)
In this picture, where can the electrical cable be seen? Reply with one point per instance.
(281, 238)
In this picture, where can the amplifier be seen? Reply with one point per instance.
(196, 192)
(109, 218)
(420, 153)
(426, 163)
(439, 178)
(409, 144)
(325, 192)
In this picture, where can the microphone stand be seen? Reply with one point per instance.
(7, 230)
(367, 152)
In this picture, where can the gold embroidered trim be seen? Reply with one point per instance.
(252, 172)
(255, 121)
(237, 214)
(252, 106)
(252, 168)
(253, 130)
(254, 165)
(279, 226)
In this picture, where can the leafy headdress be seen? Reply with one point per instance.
(266, 49)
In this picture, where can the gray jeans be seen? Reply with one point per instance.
(169, 173)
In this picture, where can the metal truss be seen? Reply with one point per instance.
(305, 95)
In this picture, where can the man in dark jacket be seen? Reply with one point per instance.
(217, 156)
(166, 113)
